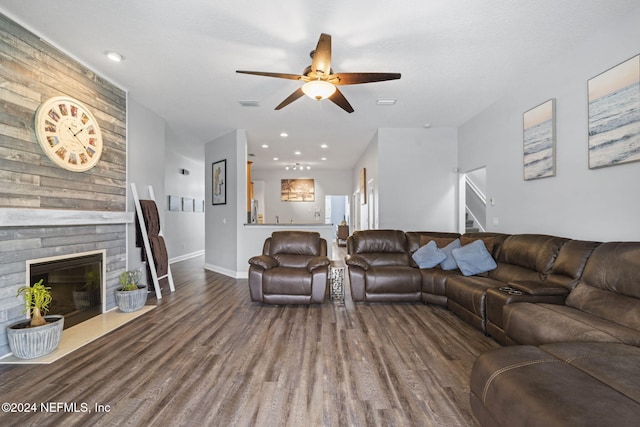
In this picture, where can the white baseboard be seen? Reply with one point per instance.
(226, 271)
(186, 256)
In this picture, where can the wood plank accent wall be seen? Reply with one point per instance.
(31, 71)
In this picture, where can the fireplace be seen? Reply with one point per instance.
(76, 281)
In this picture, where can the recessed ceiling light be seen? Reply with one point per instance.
(324, 158)
(264, 146)
(249, 103)
(427, 125)
(297, 153)
(386, 101)
(284, 134)
(324, 146)
(114, 56)
(275, 158)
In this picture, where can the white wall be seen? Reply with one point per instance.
(223, 223)
(184, 231)
(327, 182)
(600, 204)
(414, 173)
(359, 212)
(145, 166)
(154, 158)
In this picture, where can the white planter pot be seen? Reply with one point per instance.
(29, 343)
(129, 301)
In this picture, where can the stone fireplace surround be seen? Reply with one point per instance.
(27, 234)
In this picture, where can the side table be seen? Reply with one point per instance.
(336, 282)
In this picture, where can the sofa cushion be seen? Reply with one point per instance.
(615, 365)
(286, 281)
(295, 243)
(526, 385)
(474, 258)
(380, 247)
(535, 252)
(384, 280)
(606, 304)
(536, 324)
(449, 263)
(570, 263)
(429, 255)
(615, 266)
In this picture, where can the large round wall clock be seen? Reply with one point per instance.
(68, 133)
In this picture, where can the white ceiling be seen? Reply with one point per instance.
(456, 58)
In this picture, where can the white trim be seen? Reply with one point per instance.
(226, 271)
(186, 256)
(18, 217)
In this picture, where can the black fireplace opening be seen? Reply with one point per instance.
(76, 286)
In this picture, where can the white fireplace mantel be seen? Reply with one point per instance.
(17, 217)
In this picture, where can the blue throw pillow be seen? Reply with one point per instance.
(474, 258)
(449, 262)
(429, 255)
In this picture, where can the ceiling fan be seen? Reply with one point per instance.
(320, 81)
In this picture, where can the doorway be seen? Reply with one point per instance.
(337, 209)
(473, 200)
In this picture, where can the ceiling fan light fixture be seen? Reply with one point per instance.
(318, 89)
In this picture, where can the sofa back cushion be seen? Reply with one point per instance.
(417, 239)
(610, 284)
(617, 308)
(492, 241)
(526, 257)
(570, 263)
(294, 248)
(380, 247)
(615, 267)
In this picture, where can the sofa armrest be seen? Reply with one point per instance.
(538, 288)
(318, 262)
(263, 261)
(356, 261)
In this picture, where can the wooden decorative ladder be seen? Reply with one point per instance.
(147, 245)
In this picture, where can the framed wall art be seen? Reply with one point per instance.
(174, 203)
(539, 136)
(614, 115)
(187, 204)
(219, 181)
(297, 190)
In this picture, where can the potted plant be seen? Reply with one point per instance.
(89, 295)
(130, 296)
(41, 334)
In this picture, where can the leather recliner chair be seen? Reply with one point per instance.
(293, 269)
(381, 268)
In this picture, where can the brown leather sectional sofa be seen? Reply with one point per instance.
(568, 309)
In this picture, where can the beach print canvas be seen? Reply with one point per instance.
(614, 115)
(539, 125)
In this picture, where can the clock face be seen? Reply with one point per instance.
(68, 133)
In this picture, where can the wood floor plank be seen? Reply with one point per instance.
(209, 356)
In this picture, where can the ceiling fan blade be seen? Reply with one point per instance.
(339, 99)
(357, 78)
(295, 95)
(277, 75)
(321, 61)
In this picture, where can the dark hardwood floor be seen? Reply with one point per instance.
(208, 356)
